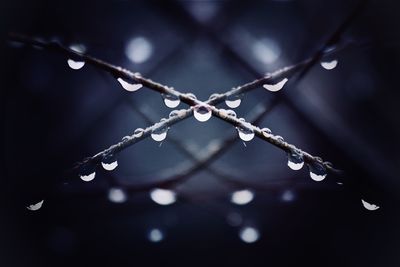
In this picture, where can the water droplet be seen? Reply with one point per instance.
(75, 65)
(369, 206)
(295, 160)
(89, 177)
(317, 171)
(87, 172)
(131, 87)
(242, 197)
(279, 138)
(249, 234)
(126, 138)
(171, 101)
(173, 113)
(159, 133)
(329, 65)
(202, 113)
(117, 195)
(155, 235)
(266, 132)
(138, 132)
(36, 206)
(231, 113)
(245, 131)
(109, 162)
(233, 101)
(163, 196)
(275, 87)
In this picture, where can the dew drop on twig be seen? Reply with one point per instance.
(159, 133)
(317, 171)
(75, 65)
(233, 101)
(202, 113)
(109, 162)
(329, 65)
(266, 132)
(87, 172)
(275, 87)
(36, 206)
(295, 160)
(131, 87)
(369, 206)
(138, 132)
(245, 131)
(171, 101)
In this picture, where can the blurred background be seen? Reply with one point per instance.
(55, 116)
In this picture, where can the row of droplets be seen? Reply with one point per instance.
(172, 101)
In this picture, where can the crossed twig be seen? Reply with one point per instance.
(189, 99)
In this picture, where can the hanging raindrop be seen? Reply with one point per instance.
(87, 172)
(36, 206)
(245, 131)
(369, 206)
(202, 113)
(138, 132)
(295, 160)
(109, 162)
(317, 171)
(75, 65)
(329, 65)
(159, 133)
(266, 132)
(171, 101)
(277, 86)
(131, 87)
(233, 101)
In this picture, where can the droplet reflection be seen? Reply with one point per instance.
(249, 234)
(155, 235)
(117, 195)
(242, 197)
(163, 196)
